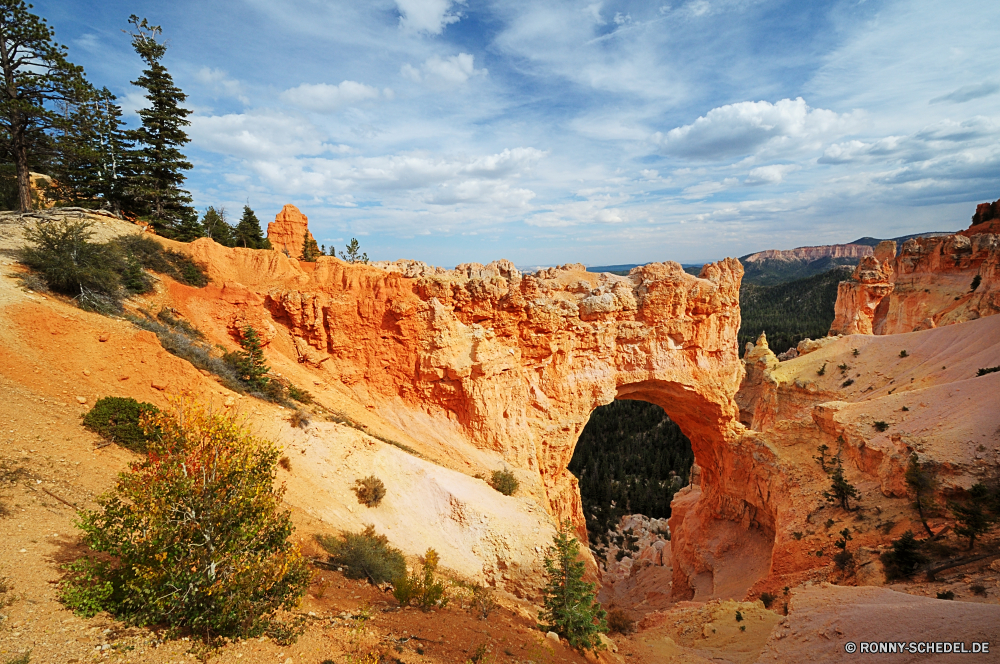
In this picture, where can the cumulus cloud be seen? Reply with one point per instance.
(968, 93)
(736, 130)
(258, 135)
(933, 141)
(772, 174)
(220, 84)
(430, 16)
(444, 72)
(325, 98)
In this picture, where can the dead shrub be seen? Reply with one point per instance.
(369, 490)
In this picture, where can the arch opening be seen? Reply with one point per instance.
(721, 519)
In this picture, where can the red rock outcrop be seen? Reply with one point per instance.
(288, 231)
(858, 297)
(985, 220)
(933, 281)
(812, 253)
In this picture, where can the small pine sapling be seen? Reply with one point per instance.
(569, 607)
(904, 558)
(841, 491)
(844, 559)
(821, 459)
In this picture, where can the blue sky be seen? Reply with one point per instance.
(558, 131)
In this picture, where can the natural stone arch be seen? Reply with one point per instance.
(514, 364)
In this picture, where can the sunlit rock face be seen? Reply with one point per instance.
(513, 364)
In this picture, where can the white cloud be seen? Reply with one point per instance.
(705, 189)
(430, 16)
(325, 98)
(259, 135)
(968, 93)
(748, 127)
(772, 174)
(220, 84)
(444, 72)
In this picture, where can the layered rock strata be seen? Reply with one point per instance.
(812, 253)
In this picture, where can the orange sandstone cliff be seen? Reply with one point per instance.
(931, 282)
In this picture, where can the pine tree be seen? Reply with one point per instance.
(353, 254)
(161, 165)
(94, 155)
(922, 482)
(214, 223)
(971, 518)
(310, 252)
(248, 232)
(841, 491)
(250, 364)
(569, 606)
(38, 84)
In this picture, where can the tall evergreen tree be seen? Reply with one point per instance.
(38, 81)
(216, 227)
(248, 232)
(161, 165)
(310, 252)
(95, 159)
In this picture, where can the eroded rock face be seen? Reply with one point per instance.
(516, 363)
(288, 231)
(933, 281)
(858, 297)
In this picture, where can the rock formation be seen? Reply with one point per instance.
(811, 253)
(288, 231)
(985, 220)
(933, 281)
(858, 297)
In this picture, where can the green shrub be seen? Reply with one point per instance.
(978, 589)
(484, 601)
(903, 353)
(976, 280)
(881, 426)
(23, 658)
(120, 420)
(193, 535)
(369, 490)
(973, 518)
(421, 587)
(904, 558)
(987, 370)
(822, 370)
(100, 275)
(768, 599)
(504, 482)
(72, 265)
(619, 622)
(569, 607)
(365, 555)
(299, 395)
(947, 594)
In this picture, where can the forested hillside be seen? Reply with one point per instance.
(789, 312)
(771, 272)
(631, 459)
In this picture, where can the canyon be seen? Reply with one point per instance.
(433, 378)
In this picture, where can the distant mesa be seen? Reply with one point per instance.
(288, 231)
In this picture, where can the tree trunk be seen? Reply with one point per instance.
(23, 175)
